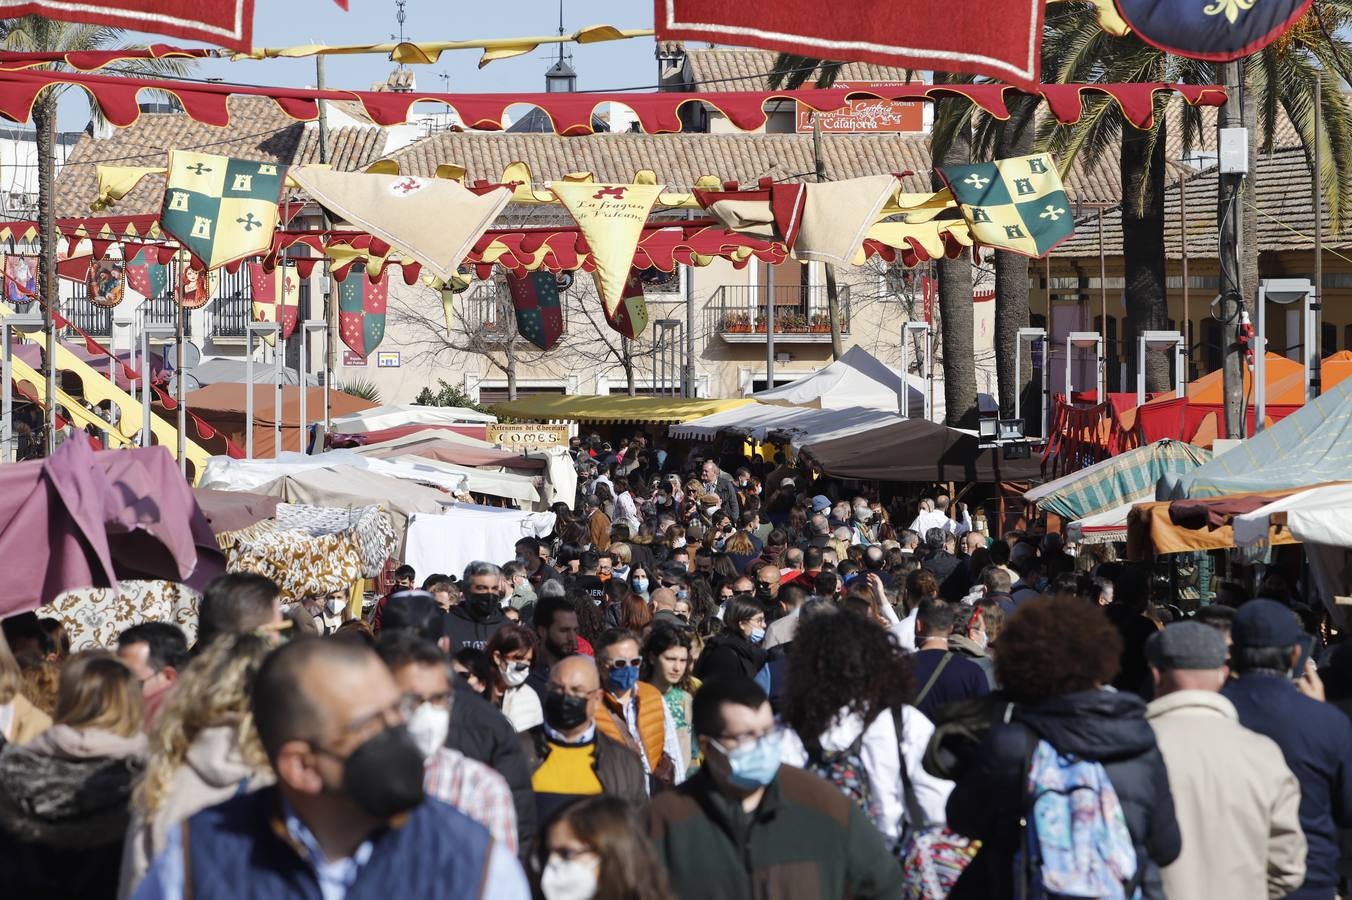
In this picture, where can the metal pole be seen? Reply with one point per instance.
(1103, 283)
(1259, 365)
(149, 330)
(330, 295)
(1183, 224)
(278, 357)
(182, 445)
(1314, 353)
(1140, 370)
(248, 392)
(8, 325)
(769, 326)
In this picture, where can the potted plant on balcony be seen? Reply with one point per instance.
(736, 323)
(821, 323)
(793, 323)
(760, 323)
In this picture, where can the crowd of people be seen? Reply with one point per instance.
(704, 684)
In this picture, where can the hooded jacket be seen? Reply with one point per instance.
(729, 653)
(966, 647)
(212, 772)
(64, 800)
(1101, 725)
(464, 630)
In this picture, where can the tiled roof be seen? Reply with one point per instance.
(259, 131)
(679, 160)
(1286, 219)
(746, 70)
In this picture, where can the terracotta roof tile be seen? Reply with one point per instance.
(746, 70)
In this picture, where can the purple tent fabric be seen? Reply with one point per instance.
(232, 510)
(86, 519)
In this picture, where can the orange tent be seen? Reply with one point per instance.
(222, 406)
(1334, 369)
(1285, 384)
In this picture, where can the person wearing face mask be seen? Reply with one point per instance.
(745, 826)
(969, 640)
(472, 621)
(639, 582)
(347, 815)
(512, 650)
(419, 669)
(574, 758)
(598, 847)
(737, 649)
(720, 484)
(633, 712)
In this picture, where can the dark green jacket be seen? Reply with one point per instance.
(806, 840)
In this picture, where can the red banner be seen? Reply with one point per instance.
(866, 116)
(1000, 40)
(228, 23)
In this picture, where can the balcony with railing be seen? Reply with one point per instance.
(97, 321)
(487, 316)
(736, 313)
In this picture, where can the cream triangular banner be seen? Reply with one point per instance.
(611, 217)
(432, 220)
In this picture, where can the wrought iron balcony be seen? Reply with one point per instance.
(486, 314)
(736, 313)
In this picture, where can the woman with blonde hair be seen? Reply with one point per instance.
(20, 720)
(203, 750)
(64, 795)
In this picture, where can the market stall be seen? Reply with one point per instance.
(917, 450)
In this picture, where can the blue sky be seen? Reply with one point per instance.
(287, 22)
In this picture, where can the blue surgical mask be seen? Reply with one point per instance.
(757, 635)
(641, 585)
(755, 765)
(623, 679)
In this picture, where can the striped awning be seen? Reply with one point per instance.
(1126, 478)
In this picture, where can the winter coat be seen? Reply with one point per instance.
(1316, 742)
(1101, 725)
(465, 630)
(968, 649)
(1241, 773)
(27, 721)
(729, 653)
(212, 772)
(63, 812)
(480, 731)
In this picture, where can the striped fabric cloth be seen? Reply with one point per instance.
(1126, 478)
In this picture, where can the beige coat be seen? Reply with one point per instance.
(1237, 803)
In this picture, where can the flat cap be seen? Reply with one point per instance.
(1186, 645)
(1265, 623)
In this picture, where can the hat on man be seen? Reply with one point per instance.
(788, 483)
(1265, 623)
(1186, 645)
(820, 503)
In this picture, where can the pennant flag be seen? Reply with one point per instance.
(1013, 204)
(448, 309)
(105, 282)
(611, 217)
(1219, 31)
(220, 209)
(772, 211)
(1000, 40)
(195, 286)
(539, 318)
(631, 316)
(21, 278)
(146, 276)
(434, 221)
(278, 290)
(361, 310)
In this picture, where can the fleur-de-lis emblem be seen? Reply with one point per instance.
(1053, 212)
(1228, 8)
(976, 181)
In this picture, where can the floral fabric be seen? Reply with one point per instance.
(94, 617)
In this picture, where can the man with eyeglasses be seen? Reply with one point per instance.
(634, 712)
(575, 758)
(745, 826)
(347, 816)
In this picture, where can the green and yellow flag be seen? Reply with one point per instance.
(221, 209)
(1013, 204)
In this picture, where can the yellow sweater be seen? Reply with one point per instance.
(568, 770)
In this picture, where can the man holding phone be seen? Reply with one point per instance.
(1278, 694)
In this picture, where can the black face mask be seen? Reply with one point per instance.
(481, 606)
(563, 712)
(384, 776)
(763, 593)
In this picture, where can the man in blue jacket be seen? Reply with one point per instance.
(1316, 739)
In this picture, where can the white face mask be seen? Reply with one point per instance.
(568, 879)
(429, 725)
(335, 605)
(515, 673)
(980, 639)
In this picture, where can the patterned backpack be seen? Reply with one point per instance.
(1076, 841)
(845, 769)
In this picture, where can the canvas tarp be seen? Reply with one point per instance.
(1320, 515)
(222, 406)
(434, 445)
(215, 371)
(233, 510)
(856, 379)
(466, 532)
(616, 409)
(799, 423)
(917, 450)
(1183, 526)
(1311, 446)
(84, 519)
(1122, 479)
(1102, 527)
(224, 473)
(395, 415)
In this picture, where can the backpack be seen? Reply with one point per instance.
(845, 769)
(932, 856)
(1075, 838)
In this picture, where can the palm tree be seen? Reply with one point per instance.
(39, 34)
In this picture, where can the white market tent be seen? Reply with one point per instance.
(857, 379)
(398, 415)
(1101, 528)
(800, 424)
(225, 474)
